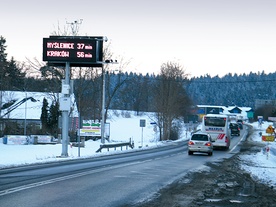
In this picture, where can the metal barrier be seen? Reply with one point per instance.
(115, 145)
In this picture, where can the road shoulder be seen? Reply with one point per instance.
(225, 184)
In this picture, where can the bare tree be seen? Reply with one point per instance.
(87, 88)
(113, 85)
(170, 98)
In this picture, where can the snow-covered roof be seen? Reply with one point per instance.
(30, 109)
(227, 109)
(217, 115)
(209, 106)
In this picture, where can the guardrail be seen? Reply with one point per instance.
(116, 145)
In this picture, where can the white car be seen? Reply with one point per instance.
(200, 142)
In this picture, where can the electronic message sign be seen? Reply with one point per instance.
(78, 51)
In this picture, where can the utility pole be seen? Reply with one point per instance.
(65, 114)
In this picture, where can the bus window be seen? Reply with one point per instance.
(215, 121)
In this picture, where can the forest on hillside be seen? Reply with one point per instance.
(241, 90)
(233, 89)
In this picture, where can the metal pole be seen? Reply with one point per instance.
(25, 121)
(79, 133)
(103, 109)
(65, 118)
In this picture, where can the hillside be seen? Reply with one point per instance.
(240, 90)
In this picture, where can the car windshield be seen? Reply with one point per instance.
(200, 137)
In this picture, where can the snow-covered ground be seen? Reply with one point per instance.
(123, 126)
(261, 165)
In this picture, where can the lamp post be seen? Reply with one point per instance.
(25, 120)
(103, 100)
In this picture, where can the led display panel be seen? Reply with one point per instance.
(78, 51)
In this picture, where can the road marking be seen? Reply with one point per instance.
(54, 180)
(238, 143)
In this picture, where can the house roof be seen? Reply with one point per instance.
(230, 109)
(235, 110)
(28, 105)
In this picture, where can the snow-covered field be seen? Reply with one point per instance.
(261, 165)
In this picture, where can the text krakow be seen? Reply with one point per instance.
(58, 54)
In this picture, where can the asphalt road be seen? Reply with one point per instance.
(117, 180)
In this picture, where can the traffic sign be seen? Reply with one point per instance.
(142, 122)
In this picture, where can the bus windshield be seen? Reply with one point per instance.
(215, 121)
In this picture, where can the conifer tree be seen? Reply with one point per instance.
(3, 63)
(10, 75)
(44, 115)
(54, 113)
(14, 75)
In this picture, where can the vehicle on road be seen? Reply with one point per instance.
(200, 142)
(240, 123)
(217, 125)
(235, 129)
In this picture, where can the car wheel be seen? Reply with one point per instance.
(210, 153)
(190, 153)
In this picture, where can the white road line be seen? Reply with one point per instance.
(54, 180)
(237, 144)
(46, 182)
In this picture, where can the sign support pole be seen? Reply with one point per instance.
(103, 110)
(65, 118)
(79, 133)
(142, 124)
(142, 138)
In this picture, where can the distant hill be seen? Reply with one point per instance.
(240, 90)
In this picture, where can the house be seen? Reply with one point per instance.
(264, 102)
(235, 110)
(245, 112)
(24, 108)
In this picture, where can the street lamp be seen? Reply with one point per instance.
(103, 101)
(25, 121)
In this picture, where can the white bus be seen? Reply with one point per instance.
(217, 125)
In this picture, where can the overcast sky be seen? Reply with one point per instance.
(213, 37)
